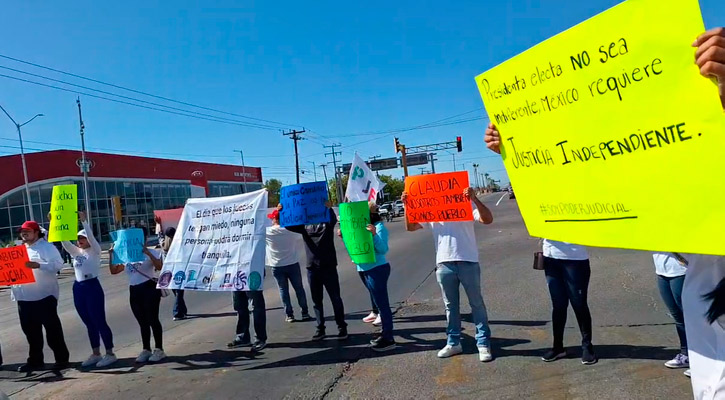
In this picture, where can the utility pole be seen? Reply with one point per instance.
(295, 136)
(334, 155)
(314, 169)
(244, 170)
(85, 167)
(324, 171)
(432, 158)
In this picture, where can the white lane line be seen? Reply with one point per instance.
(499, 200)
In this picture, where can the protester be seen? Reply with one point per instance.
(670, 278)
(457, 265)
(567, 271)
(283, 259)
(145, 299)
(241, 300)
(703, 293)
(38, 302)
(375, 276)
(88, 295)
(180, 310)
(322, 272)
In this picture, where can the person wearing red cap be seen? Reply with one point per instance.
(282, 257)
(38, 302)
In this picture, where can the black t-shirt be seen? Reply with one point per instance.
(320, 241)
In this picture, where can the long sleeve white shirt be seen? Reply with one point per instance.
(86, 262)
(46, 279)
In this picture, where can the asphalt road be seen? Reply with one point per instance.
(632, 333)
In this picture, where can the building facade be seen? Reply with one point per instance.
(141, 184)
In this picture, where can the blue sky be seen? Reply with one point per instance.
(340, 70)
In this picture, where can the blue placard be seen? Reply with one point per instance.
(128, 246)
(304, 204)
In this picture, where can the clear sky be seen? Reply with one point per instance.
(339, 69)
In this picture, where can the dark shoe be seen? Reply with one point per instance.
(588, 357)
(61, 366)
(259, 345)
(319, 334)
(553, 355)
(306, 317)
(342, 334)
(376, 338)
(30, 367)
(383, 345)
(236, 343)
(180, 318)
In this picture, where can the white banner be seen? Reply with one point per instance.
(219, 245)
(362, 185)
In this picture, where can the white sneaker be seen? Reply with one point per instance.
(450, 351)
(378, 321)
(484, 354)
(370, 318)
(107, 360)
(91, 361)
(157, 356)
(144, 356)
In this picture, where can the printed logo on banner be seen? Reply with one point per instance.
(227, 283)
(191, 281)
(240, 281)
(179, 278)
(165, 279)
(255, 280)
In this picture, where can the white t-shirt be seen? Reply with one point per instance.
(564, 251)
(705, 341)
(282, 246)
(86, 262)
(455, 241)
(46, 278)
(146, 266)
(667, 265)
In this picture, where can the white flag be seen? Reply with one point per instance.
(219, 245)
(362, 185)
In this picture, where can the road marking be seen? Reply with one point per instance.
(499, 200)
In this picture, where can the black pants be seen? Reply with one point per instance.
(145, 300)
(241, 302)
(36, 315)
(326, 278)
(568, 282)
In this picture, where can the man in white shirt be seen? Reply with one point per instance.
(283, 258)
(457, 265)
(38, 302)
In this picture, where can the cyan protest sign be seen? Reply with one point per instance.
(128, 245)
(303, 204)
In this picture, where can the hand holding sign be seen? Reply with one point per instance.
(13, 266)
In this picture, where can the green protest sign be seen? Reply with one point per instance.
(354, 219)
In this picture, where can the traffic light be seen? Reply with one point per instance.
(459, 144)
(397, 145)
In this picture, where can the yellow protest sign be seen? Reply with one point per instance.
(63, 213)
(610, 135)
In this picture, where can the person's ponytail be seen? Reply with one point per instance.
(717, 305)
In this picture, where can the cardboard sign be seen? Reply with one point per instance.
(12, 266)
(354, 219)
(128, 245)
(596, 120)
(63, 213)
(437, 197)
(304, 204)
(219, 245)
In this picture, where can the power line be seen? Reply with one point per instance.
(140, 92)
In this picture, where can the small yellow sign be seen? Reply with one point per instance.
(610, 135)
(63, 213)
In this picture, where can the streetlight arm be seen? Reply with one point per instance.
(31, 120)
(6, 113)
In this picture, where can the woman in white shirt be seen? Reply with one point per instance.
(145, 299)
(670, 280)
(88, 295)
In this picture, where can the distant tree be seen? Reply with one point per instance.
(393, 186)
(332, 188)
(273, 186)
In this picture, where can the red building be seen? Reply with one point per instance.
(142, 184)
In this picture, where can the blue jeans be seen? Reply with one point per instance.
(671, 292)
(450, 276)
(376, 280)
(290, 274)
(179, 305)
(374, 307)
(89, 300)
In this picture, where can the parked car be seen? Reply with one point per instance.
(386, 212)
(399, 207)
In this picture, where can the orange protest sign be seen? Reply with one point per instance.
(12, 266)
(437, 197)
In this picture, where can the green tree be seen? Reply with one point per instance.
(393, 187)
(332, 188)
(273, 186)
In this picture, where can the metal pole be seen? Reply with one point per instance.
(314, 169)
(454, 162)
(432, 162)
(84, 164)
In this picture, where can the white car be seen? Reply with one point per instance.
(399, 207)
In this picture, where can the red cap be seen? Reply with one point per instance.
(31, 226)
(273, 215)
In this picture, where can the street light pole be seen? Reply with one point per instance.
(22, 158)
(314, 169)
(85, 167)
(244, 170)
